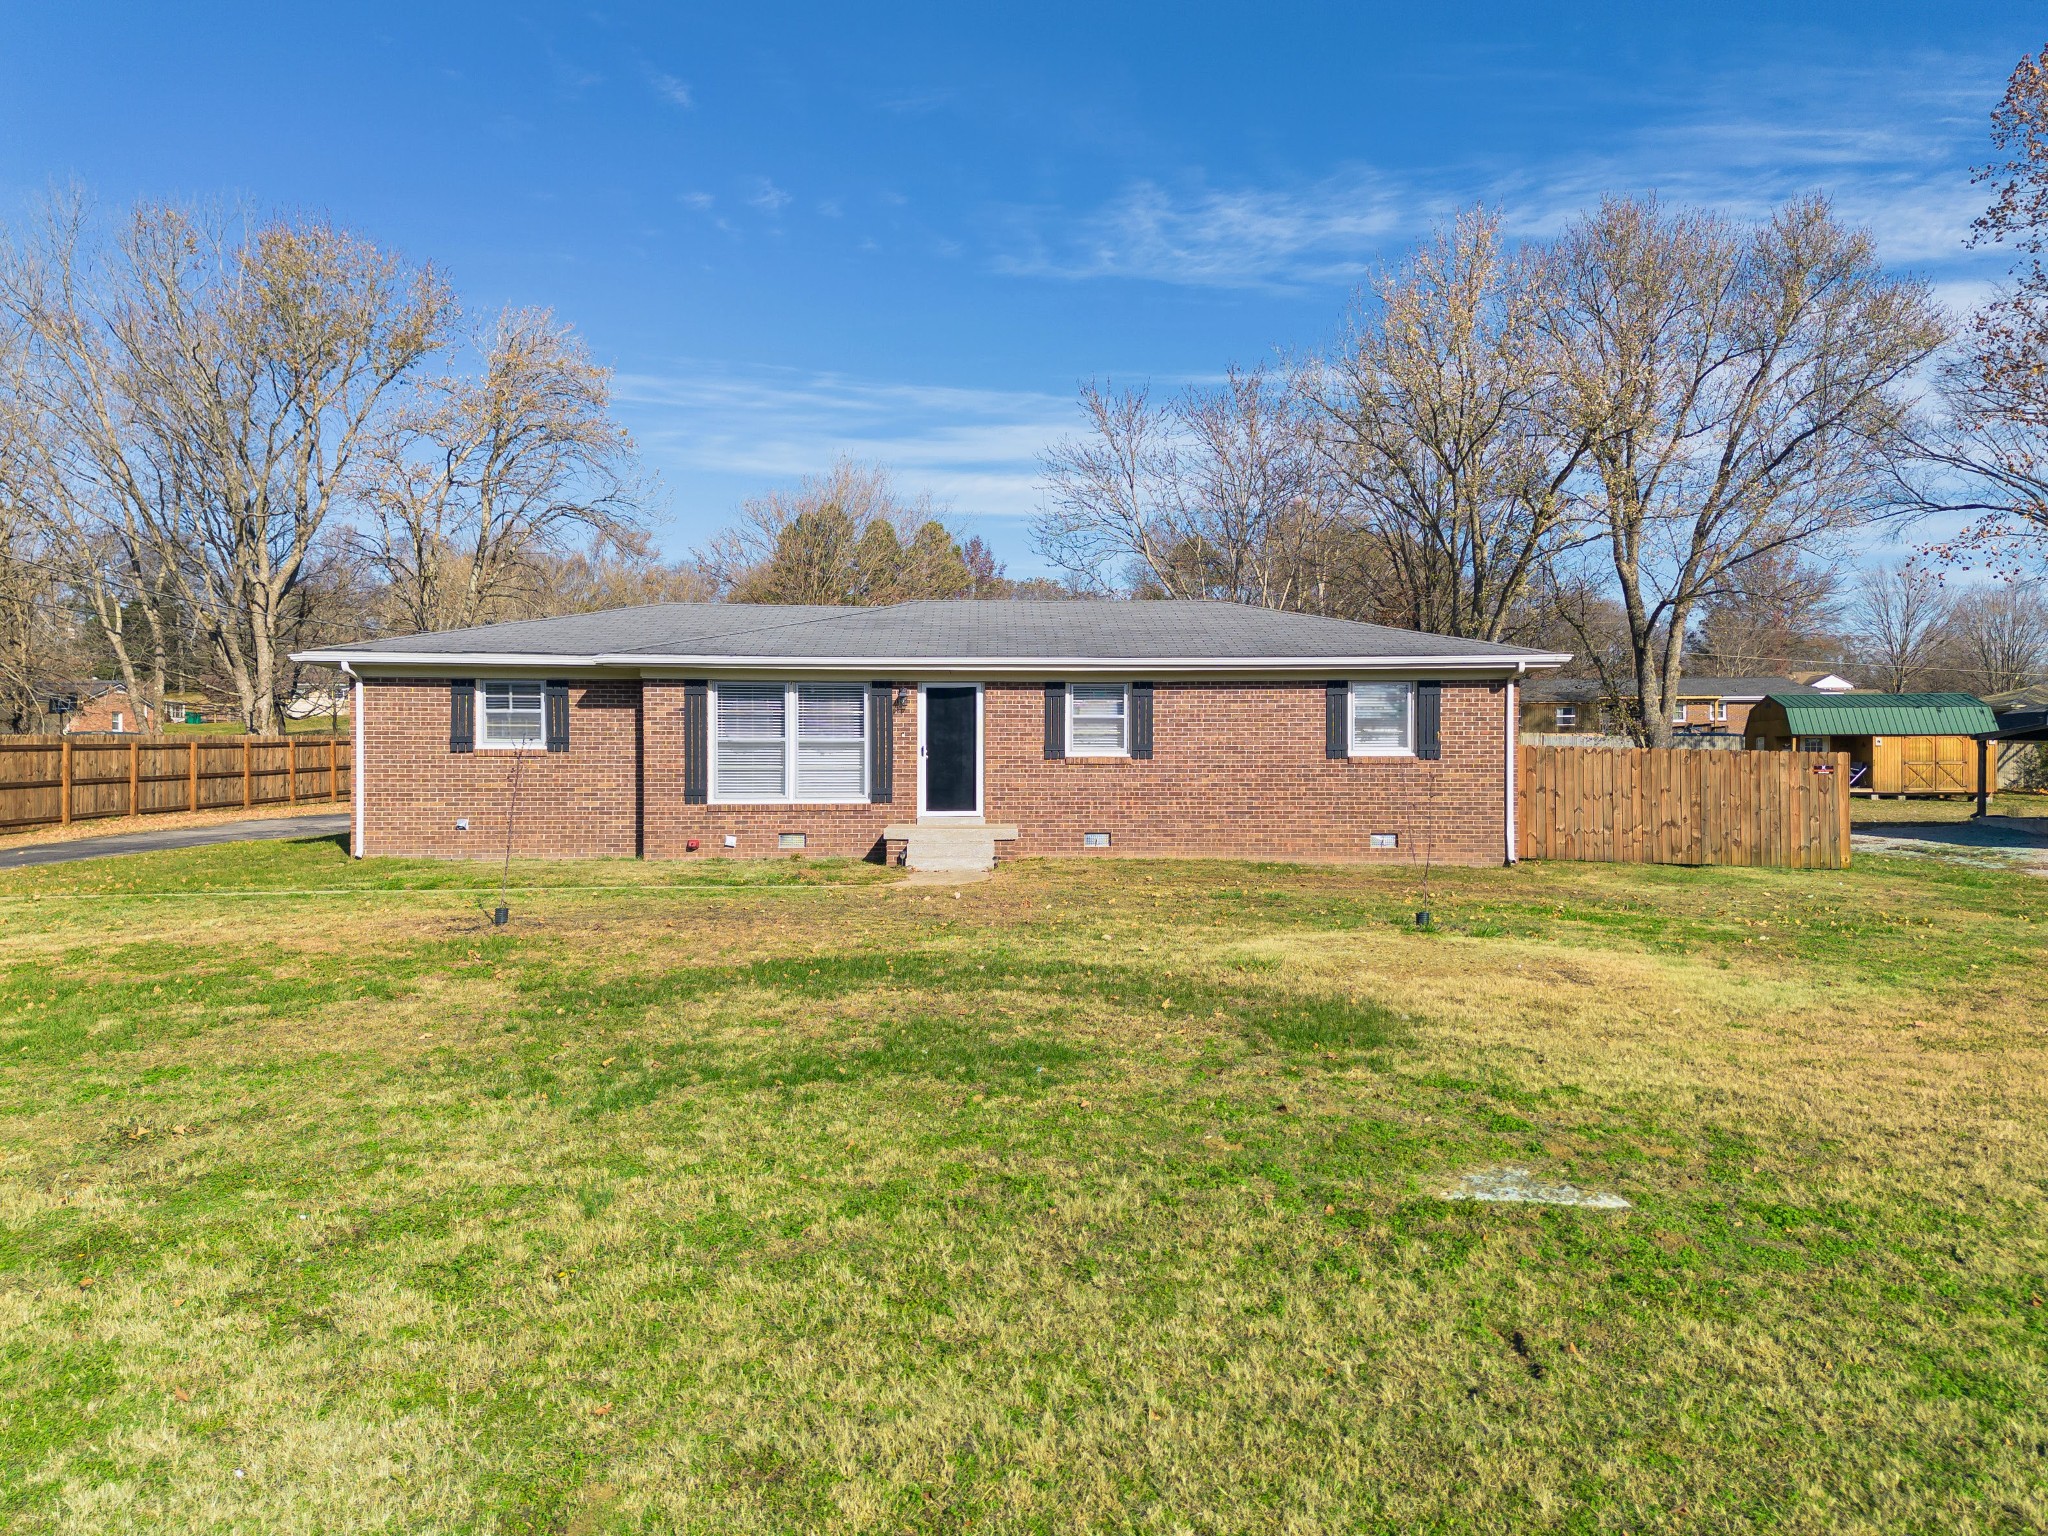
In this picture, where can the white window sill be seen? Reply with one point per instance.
(789, 805)
(1099, 753)
(511, 746)
(1383, 752)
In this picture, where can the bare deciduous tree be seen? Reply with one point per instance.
(262, 366)
(207, 392)
(31, 618)
(1998, 637)
(1902, 612)
(1986, 455)
(1738, 390)
(88, 477)
(1436, 412)
(1217, 493)
(483, 479)
(1776, 614)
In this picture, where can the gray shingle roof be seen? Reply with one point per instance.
(954, 631)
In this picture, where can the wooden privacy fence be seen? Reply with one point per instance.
(47, 780)
(1642, 806)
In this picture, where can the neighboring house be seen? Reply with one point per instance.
(1186, 728)
(1826, 682)
(100, 707)
(1564, 705)
(309, 702)
(1898, 743)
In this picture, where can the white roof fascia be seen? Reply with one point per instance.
(989, 665)
(1036, 664)
(361, 659)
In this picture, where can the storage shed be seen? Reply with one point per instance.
(1898, 743)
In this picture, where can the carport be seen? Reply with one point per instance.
(2020, 725)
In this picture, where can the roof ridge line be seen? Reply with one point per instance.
(757, 629)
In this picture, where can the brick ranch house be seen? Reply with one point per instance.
(911, 732)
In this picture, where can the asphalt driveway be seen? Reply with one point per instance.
(2015, 842)
(264, 829)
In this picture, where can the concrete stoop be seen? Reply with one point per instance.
(957, 847)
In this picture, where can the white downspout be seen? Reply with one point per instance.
(1513, 731)
(355, 770)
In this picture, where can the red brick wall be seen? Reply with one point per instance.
(582, 803)
(96, 716)
(1238, 771)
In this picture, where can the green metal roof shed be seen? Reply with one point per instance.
(1883, 714)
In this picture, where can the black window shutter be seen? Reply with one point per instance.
(881, 746)
(1055, 721)
(462, 714)
(1141, 719)
(1429, 720)
(1336, 729)
(696, 744)
(556, 717)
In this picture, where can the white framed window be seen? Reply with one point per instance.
(1721, 711)
(117, 719)
(511, 713)
(1678, 714)
(1382, 719)
(1568, 715)
(789, 742)
(1098, 720)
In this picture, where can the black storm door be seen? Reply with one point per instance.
(952, 730)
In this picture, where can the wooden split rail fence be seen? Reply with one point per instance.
(1639, 806)
(55, 780)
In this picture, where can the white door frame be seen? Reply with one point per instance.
(980, 756)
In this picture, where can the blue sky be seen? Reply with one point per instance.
(908, 233)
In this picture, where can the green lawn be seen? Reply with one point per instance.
(787, 1197)
(1865, 810)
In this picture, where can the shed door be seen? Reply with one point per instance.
(1939, 765)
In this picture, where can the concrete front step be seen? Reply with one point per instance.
(952, 846)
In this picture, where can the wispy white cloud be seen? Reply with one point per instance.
(1209, 237)
(767, 196)
(700, 201)
(974, 450)
(671, 90)
(1892, 147)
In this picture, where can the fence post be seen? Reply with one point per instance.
(291, 770)
(333, 768)
(135, 778)
(1841, 780)
(192, 775)
(64, 785)
(246, 802)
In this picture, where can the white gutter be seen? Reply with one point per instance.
(342, 658)
(984, 665)
(355, 768)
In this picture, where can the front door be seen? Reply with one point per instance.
(952, 750)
